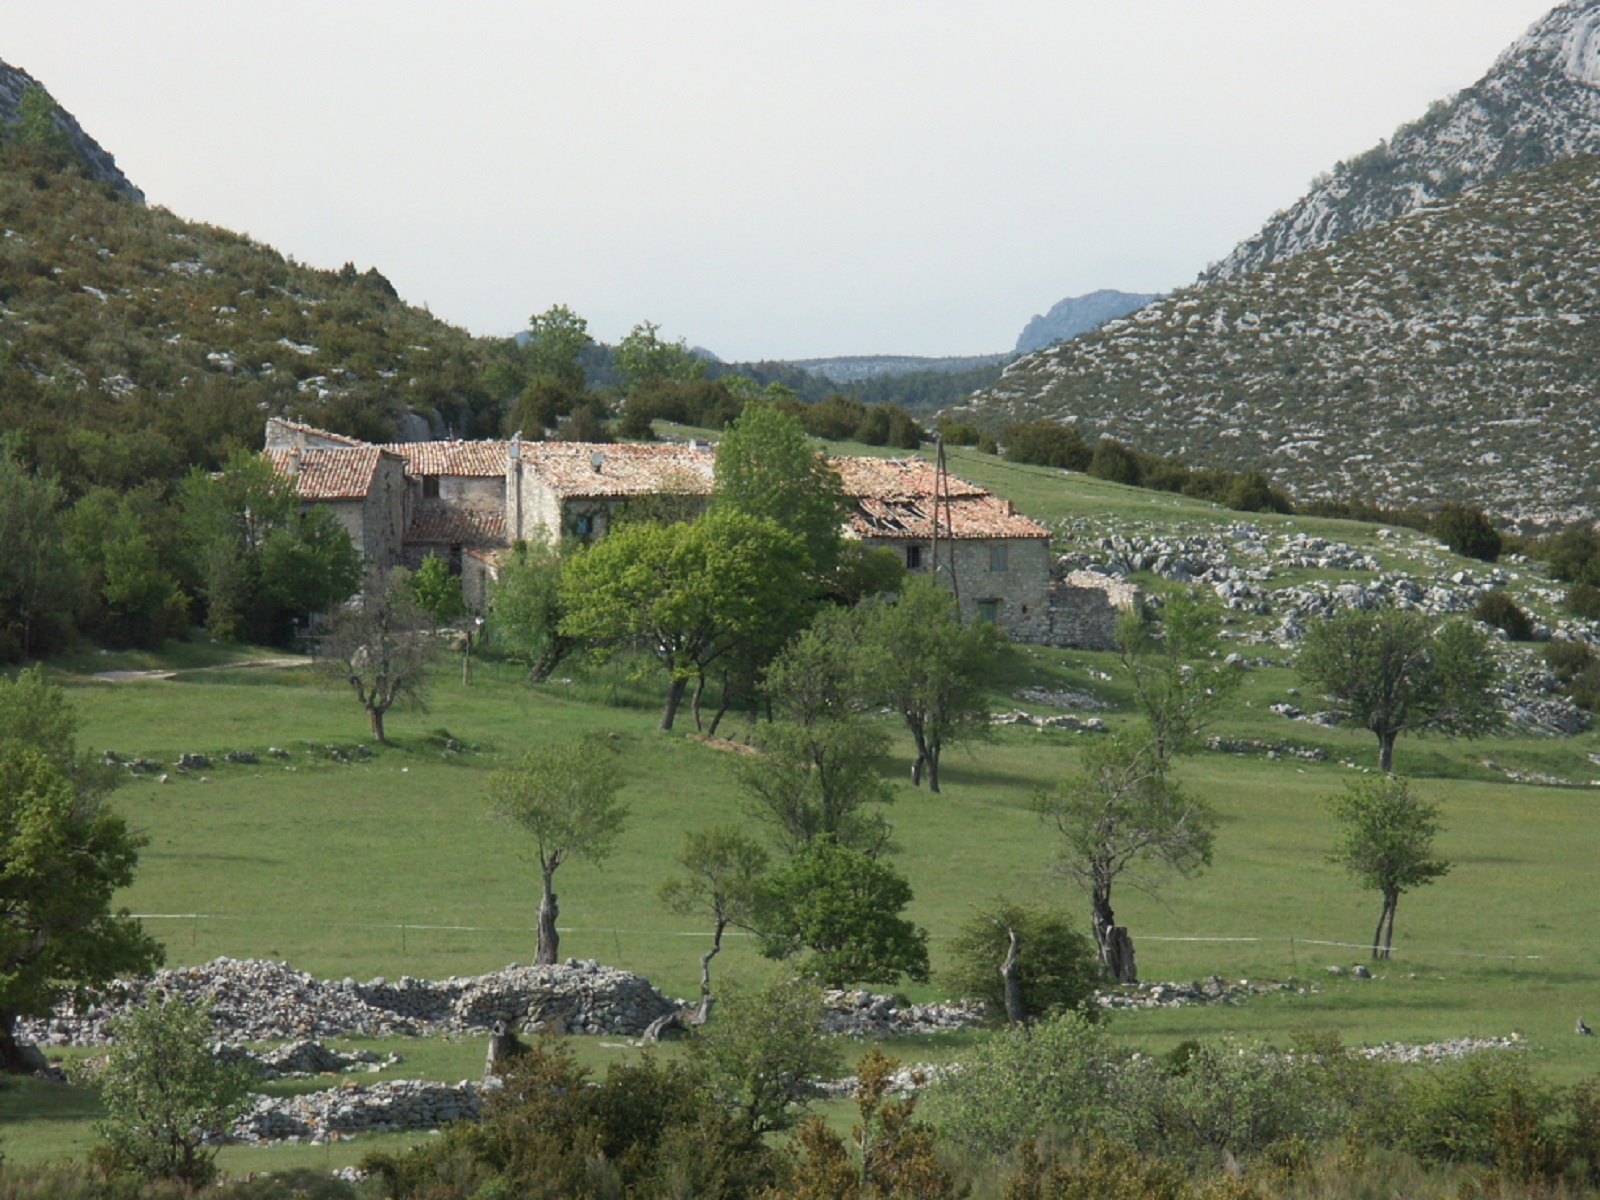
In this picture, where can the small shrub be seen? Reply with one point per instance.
(1115, 463)
(1568, 660)
(1583, 600)
(1056, 969)
(1497, 608)
(1467, 531)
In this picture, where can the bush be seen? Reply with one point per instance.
(1047, 444)
(1057, 969)
(1568, 660)
(1115, 463)
(1497, 608)
(1574, 554)
(1250, 491)
(166, 1098)
(1583, 600)
(1453, 1113)
(1466, 531)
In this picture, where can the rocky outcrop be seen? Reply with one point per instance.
(96, 160)
(1540, 102)
(1078, 315)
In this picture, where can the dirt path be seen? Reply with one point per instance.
(262, 663)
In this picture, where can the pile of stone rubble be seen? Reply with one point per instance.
(860, 1013)
(1212, 990)
(391, 1106)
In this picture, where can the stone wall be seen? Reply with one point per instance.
(1012, 586)
(1084, 608)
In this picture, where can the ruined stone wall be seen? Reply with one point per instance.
(1084, 608)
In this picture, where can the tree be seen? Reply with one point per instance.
(131, 595)
(1178, 680)
(258, 557)
(724, 871)
(1385, 840)
(1024, 961)
(167, 1099)
(525, 605)
(765, 1051)
(1467, 531)
(63, 857)
(844, 908)
(688, 593)
(36, 121)
(1395, 671)
(767, 467)
(565, 798)
(557, 339)
(1124, 816)
(932, 670)
(381, 647)
(643, 358)
(437, 592)
(38, 582)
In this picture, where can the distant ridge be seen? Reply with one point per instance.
(854, 368)
(1079, 315)
(14, 81)
(1539, 103)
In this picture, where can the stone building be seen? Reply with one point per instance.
(995, 560)
(469, 502)
(1085, 607)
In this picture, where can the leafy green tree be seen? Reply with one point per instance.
(381, 648)
(923, 663)
(1574, 554)
(817, 775)
(437, 592)
(1115, 463)
(643, 358)
(1395, 671)
(1180, 681)
(1024, 961)
(843, 908)
(1047, 444)
(63, 857)
(1467, 531)
(723, 874)
(689, 594)
(36, 121)
(767, 467)
(764, 1051)
(168, 1101)
(1124, 816)
(259, 558)
(565, 798)
(557, 339)
(525, 605)
(1386, 841)
(39, 583)
(131, 594)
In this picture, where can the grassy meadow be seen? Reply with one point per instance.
(389, 865)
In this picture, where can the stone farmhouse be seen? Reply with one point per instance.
(469, 502)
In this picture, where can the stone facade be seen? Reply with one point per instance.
(1084, 607)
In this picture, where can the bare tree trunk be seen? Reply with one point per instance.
(549, 938)
(916, 771)
(1112, 941)
(674, 698)
(933, 769)
(1386, 752)
(1015, 1013)
(10, 1051)
(694, 706)
(375, 714)
(705, 968)
(722, 711)
(1388, 933)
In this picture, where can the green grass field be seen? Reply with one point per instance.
(389, 865)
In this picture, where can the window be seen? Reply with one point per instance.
(998, 556)
(989, 611)
(583, 524)
(913, 558)
(430, 487)
(455, 560)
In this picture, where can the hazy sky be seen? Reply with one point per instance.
(809, 178)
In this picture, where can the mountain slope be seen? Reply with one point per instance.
(1451, 354)
(15, 83)
(1540, 102)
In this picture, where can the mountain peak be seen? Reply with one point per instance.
(98, 162)
(1538, 103)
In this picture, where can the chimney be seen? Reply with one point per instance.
(597, 460)
(292, 463)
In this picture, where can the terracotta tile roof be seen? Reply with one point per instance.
(331, 474)
(568, 468)
(456, 527)
(894, 498)
(482, 460)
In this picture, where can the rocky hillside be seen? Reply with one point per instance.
(1539, 103)
(164, 341)
(1451, 354)
(15, 83)
(1078, 315)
